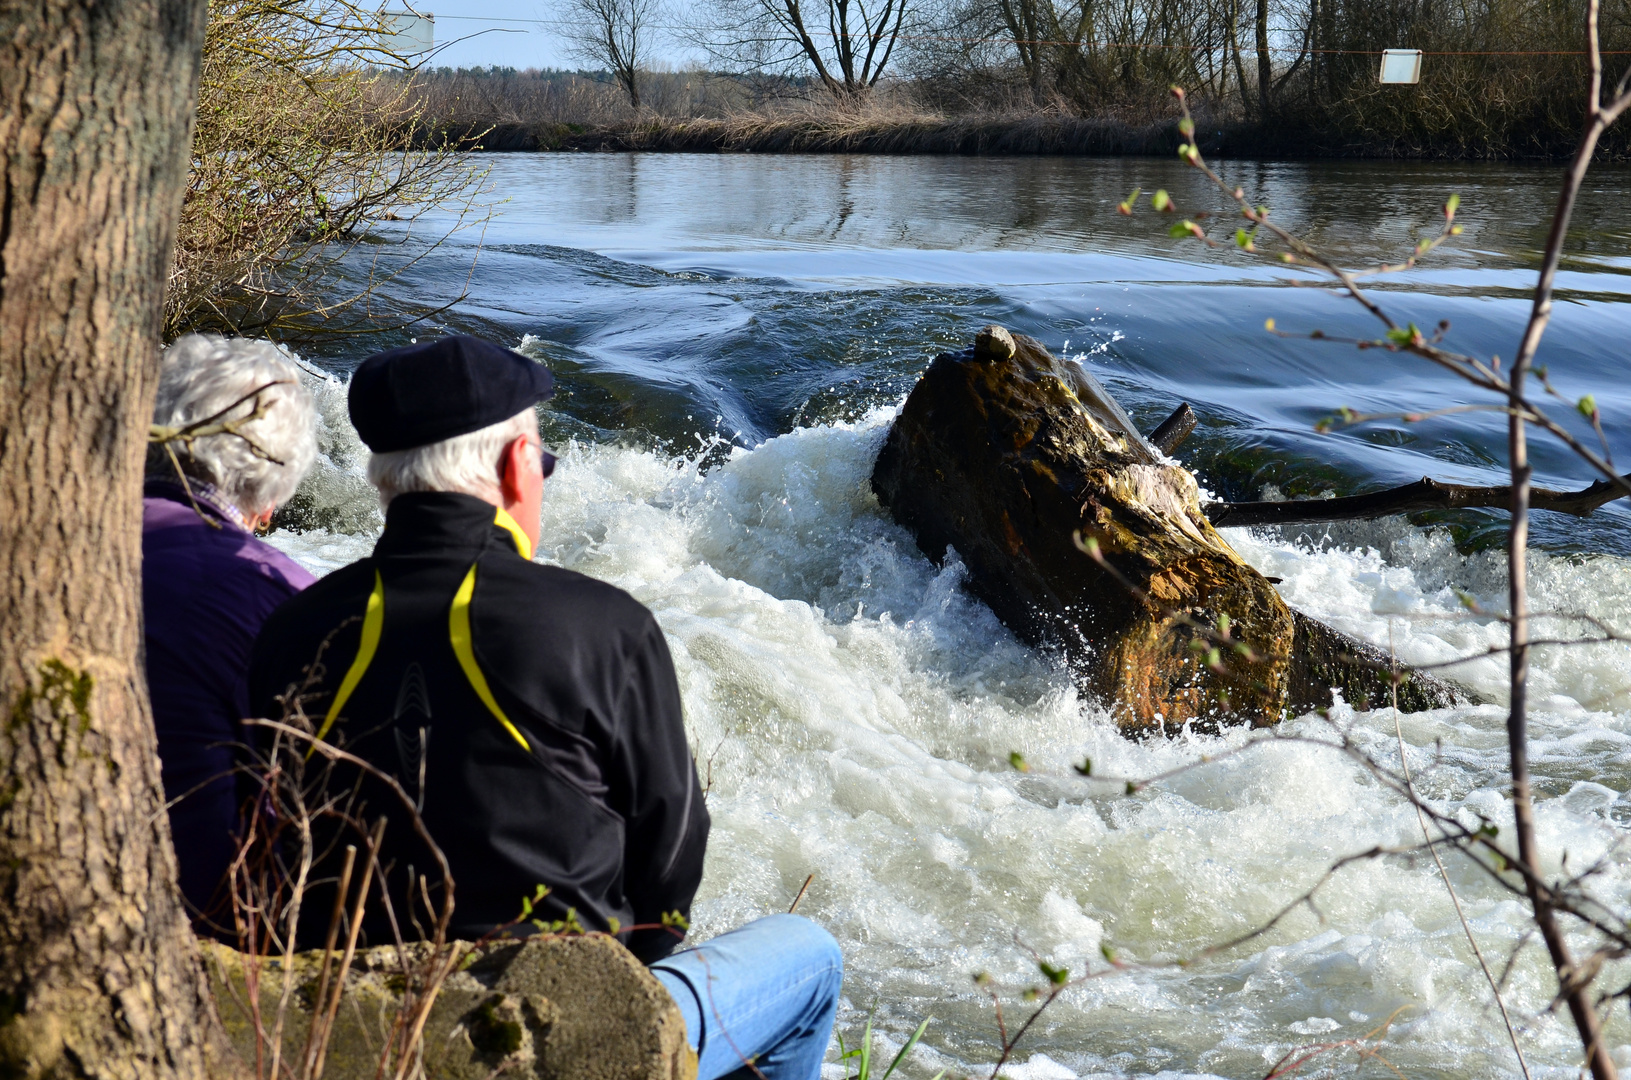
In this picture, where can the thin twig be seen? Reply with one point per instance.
(370, 860)
(800, 896)
(1421, 819)
(309, 1063)
(1543, 898)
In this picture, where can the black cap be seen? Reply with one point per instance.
(421, 394)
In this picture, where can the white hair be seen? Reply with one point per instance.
(465, 463)
(202, 374)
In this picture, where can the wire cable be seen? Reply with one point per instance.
(1124, 44)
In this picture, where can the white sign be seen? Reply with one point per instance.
(406, 34)
(1401, 66)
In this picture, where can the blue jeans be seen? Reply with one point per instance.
(766, 992)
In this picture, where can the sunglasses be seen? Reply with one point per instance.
(547, 460)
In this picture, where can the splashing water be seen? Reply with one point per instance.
(728, 366)
(854, 709)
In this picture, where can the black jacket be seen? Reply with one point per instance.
(531, 711)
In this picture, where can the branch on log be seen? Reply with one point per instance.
(1424, 494)
(1174, 429)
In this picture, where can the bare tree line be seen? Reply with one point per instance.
(845, 46)
(1496, 79)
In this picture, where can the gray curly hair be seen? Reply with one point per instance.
(201, 374)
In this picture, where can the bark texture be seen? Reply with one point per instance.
(1005, 453)
(99, 973)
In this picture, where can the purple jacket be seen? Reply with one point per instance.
(205, 593)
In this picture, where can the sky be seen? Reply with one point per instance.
(504, 33)
(472, 33)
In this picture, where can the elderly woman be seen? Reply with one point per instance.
(208, 584)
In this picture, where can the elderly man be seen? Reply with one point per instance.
(530, 714)
(208, 584)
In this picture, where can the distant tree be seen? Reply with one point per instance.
(848, 44)
(614, 34)
(1043, 30)
(1084, 55)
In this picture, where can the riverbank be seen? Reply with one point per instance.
(700, 112)
(834, 133)
(994, 135)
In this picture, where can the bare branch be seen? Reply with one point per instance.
(1424, 494)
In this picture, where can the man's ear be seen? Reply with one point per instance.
(511, 466)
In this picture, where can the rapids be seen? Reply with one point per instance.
(853, 710)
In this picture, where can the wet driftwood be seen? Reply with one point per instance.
(1005, 453)
(1424, 494)
(1172, 431)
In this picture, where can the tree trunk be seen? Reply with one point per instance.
(99, 971)
(1234, 49)
(1022, 21)
(1265, 63)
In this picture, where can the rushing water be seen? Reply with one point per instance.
(731, 336)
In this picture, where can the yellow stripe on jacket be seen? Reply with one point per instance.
(373, 621)
(458, 628)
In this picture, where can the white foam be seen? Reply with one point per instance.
(856, 710)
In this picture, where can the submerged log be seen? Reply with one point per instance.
(1005, 453)
(1424, 494)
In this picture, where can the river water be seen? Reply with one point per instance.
(731, 336)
